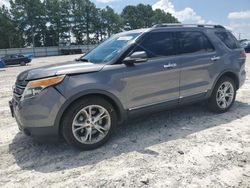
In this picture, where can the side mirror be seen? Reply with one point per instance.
(136, 57)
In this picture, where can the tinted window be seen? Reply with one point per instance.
(157, 44)
(228, 39)
(193, 42)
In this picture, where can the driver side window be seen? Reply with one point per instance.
(157, 44)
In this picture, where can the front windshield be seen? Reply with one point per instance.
(110, 48)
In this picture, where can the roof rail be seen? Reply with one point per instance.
(188, 25)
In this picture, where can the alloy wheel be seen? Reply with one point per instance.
(225, 95)
(91, 124)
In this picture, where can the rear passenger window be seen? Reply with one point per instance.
(158, 44)
(193, 42)
(228, 39)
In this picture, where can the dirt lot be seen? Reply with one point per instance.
(186, 147)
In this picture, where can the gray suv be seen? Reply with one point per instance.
(131, 73)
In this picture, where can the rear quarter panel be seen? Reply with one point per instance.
(231, 60)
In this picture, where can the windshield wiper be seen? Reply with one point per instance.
(82, 60)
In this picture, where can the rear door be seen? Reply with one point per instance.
(197, 58)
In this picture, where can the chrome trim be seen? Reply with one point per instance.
(143, 106)
(20, 87)
(181, 97)
(170, 65)
(17, 95)
(147, 105)
(215, 58)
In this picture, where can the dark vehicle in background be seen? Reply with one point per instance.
(246, 45)
(2, 64)
(131, 74)
(71, 51)
(247, 48)
(17, 59)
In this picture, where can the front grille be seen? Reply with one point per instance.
(18, 91)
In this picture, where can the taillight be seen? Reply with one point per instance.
(243, 54)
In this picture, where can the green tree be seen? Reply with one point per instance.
(135, 17)
(145, 15)
(10, 36)
(29, 15)
(161, 17)
(47, 22)
(83, 14)
(130, 17)
(58, 21)
(111, 21)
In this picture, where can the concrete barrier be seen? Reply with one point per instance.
(44, 51)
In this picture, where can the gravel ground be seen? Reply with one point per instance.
(185, 147)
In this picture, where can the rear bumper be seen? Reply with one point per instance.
(36, 116)
(242, 77)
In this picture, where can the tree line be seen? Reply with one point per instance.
(54, 22)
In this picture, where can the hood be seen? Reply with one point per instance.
(60, 69)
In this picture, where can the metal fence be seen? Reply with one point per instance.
(44, 51)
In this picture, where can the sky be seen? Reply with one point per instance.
(234, 14)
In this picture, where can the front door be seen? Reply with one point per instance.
(156, 80)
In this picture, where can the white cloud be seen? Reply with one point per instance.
(240, 29)
(4, 2)
(240, 23)
(239, 15)
(106, 1)
(187, 15)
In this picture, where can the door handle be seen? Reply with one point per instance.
(215, 58)
(170, 66)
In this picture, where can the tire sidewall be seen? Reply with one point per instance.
(74, 109)
(22, 63)
(212, 102)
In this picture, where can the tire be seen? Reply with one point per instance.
(22, 63)
(216, 103)
(89, 137)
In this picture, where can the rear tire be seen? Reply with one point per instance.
(81, 127)
(22, 63)
(223, 95)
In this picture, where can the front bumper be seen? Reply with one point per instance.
(36, 116)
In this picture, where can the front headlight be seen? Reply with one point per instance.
(34, 87)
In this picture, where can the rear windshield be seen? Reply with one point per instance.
(228, 39)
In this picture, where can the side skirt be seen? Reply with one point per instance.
(154, 108)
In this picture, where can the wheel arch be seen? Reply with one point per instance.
(229, 73)
(112, 99)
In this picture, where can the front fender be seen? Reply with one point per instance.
(70, 100)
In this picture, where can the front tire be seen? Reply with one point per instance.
(89, 123)
(223, 95)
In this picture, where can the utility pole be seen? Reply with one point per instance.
(33, 40)
(87, 22)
